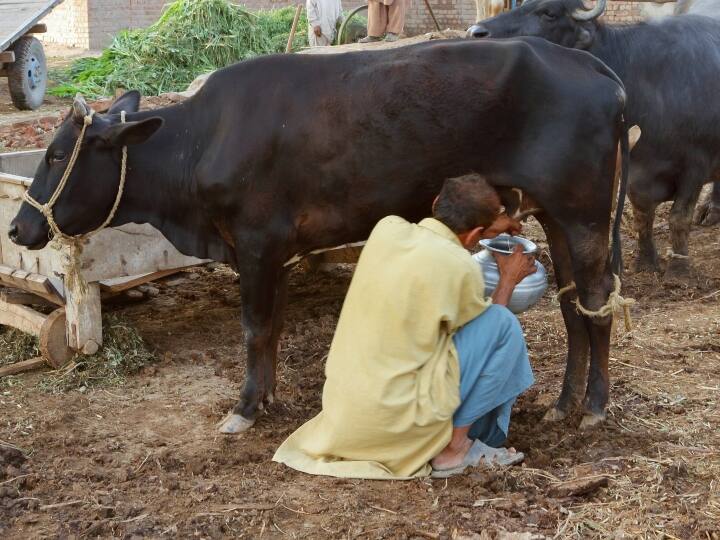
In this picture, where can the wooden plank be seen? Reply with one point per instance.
(18, 296)
(130, 250)
(28, 281)
(21, 367)
(7, 57)
(16, 18)
(21, 317)
(118, 285)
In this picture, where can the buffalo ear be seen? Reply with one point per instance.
(128, 102)
(583, 39)
(132, 132)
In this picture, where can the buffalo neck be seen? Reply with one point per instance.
(161, 187)
(615, 45)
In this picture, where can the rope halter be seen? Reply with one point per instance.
(47, 208)
(72, 264)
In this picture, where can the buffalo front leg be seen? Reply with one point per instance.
(577, 336)
(263, 284)
(708, 211)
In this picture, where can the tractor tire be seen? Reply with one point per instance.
(27, 76)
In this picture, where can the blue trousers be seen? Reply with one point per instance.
(494, 371)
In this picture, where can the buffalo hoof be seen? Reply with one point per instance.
(646, 264)
(233, 424)
(707, 214)
(554, 415)
(590, 420)
(678, 270)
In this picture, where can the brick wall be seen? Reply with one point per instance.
(68, 24)
(107, 17)
(90, 24)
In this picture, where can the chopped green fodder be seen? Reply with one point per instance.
(191, 37)
(16, 346)
(123, 353)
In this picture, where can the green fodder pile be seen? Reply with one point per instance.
(16, 346)
(191, 37)
(123, 353)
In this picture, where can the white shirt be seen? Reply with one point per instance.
(325, 14)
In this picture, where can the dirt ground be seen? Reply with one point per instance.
(145, 460)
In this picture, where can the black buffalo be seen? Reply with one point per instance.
(671, 71)
(282, 155)
(708, 211)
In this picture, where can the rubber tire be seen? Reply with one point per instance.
(23, 96)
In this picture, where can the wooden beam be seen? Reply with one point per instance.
(21, 317)
(21, 367)
(7, 57)
(84, 321)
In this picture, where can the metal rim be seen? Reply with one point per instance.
(343, 26)
(500, 244)
(34, 72)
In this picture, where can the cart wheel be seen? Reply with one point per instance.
(344, 37)
(27, 76)
(53, 341)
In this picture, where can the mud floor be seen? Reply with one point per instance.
(144, 459)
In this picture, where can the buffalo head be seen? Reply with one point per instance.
(565, 22)
(92, 185)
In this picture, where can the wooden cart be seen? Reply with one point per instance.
(22, 58)
(113, 260)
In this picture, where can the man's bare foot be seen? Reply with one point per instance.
(452, 455)
(478, 454)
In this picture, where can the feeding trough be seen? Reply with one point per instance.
(114, 260)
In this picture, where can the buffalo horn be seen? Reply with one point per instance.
(590, 14)
(80, 109)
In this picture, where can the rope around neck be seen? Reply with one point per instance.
(73, 277)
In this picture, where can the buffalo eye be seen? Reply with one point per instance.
(546, 15)
(58, 156)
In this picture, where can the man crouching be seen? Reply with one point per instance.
(423, 370)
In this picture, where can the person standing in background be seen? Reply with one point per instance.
(323, 17)
(385, 18)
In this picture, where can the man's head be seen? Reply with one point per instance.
(468, 205)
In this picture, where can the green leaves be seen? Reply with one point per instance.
(190, 38)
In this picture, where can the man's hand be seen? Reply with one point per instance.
(317, 30)
(502, 224)
(513, 269)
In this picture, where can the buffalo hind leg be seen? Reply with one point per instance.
(680, 222)
(589, 251)
(647, 257)
(262, 289)
(708, 211)
(577, 335)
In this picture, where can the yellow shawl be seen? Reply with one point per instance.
(392, 373)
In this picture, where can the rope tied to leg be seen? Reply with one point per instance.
(615, 302)
(673, 255)
(566, 289)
